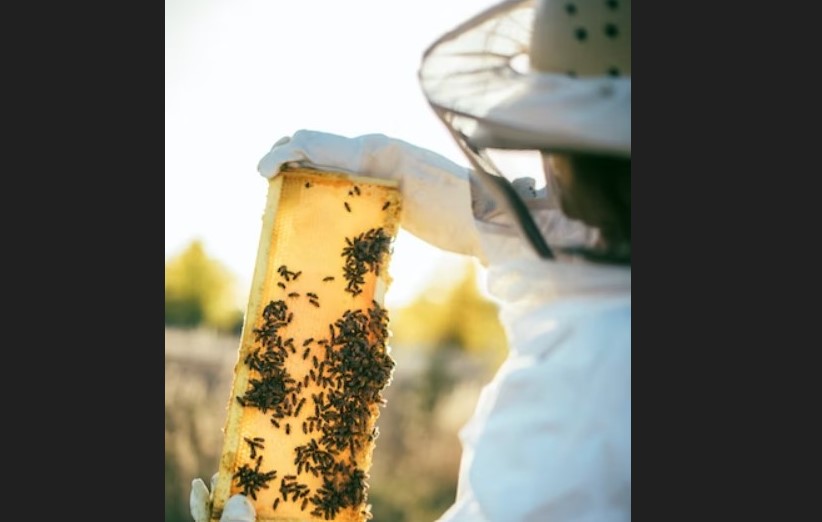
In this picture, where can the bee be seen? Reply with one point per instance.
(294, 294)
(385, 206)
(281, 284)
(329, 278)
(257, 442)
(347, 206)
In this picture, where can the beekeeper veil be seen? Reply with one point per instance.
(531, 76)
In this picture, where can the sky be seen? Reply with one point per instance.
(240, 74)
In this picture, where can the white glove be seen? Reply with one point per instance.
(436, 193)
(237, 509)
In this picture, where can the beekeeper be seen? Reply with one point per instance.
(550, 439)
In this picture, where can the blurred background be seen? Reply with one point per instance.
(239, 75)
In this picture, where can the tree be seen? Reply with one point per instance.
(452, 313)
(199, 290)
(456, 326)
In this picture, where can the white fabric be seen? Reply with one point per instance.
(590, 114)
(550, 439)
(501, 241)
(435, 190)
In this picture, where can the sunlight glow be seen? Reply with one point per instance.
(241, 74)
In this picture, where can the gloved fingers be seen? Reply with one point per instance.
(315, 148)
(199, 501)
(374, 155)
(238, 509)
(284, 151)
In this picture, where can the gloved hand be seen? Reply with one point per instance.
(436, 193)
(237, 509)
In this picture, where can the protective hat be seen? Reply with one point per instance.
(538, 75)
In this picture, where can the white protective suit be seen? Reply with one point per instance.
(550, 439)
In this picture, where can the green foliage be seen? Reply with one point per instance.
(452, 313)
(200, 291)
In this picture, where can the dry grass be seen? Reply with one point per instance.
(416, 460)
